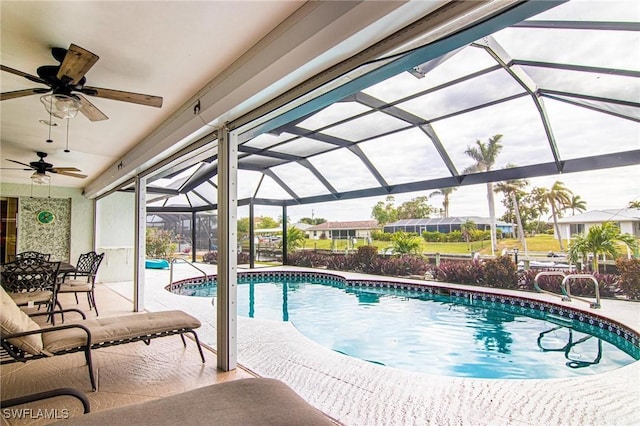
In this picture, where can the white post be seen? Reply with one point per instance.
(227, 345)
(140, 243)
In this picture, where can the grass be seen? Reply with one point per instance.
(538, 243)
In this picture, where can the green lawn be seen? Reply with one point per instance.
(539, 243)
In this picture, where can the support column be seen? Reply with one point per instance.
(139, 252)
(285, 246)
(252, 237)
(194, 235)
(227, 249)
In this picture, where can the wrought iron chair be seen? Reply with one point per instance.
(31, 281)
(32, 255)
(83, 279)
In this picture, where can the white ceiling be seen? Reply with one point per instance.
(180, 51)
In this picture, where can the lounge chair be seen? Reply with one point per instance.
(24, 340)
(246, 402)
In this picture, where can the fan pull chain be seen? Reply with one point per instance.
(50, 119)
(67, 146)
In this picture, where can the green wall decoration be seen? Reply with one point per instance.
(44, 225)
(45, 217)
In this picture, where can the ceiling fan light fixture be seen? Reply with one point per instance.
(40, 178)
(61, 106)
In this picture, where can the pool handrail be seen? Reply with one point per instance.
(564, 296)
(567, 291)
(175, 260)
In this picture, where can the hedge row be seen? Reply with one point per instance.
(500, 272)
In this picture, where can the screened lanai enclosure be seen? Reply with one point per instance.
(561, 86)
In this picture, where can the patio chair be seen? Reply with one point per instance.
(24, 340)
(31, 255)
(83, 279)
(31, 281)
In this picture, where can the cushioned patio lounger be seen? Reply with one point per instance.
(246, 402)
(23, 339)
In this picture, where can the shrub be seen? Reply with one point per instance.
(341, 262)
(212, 257)
(365, 258)
(460, 272)
(307, 258)
(454, 237)
(629, 277)
(381, 236)
(501, 272)
(433, 236)
(160, 243)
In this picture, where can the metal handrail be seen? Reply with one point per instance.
(564, 297)
(565, 286)
(175, 260)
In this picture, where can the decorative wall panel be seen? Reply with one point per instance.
(44, 225)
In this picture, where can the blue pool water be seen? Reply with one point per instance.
(433, 334)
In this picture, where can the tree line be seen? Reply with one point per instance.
(525, 207)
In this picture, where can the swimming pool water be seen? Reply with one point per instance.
(433, 334)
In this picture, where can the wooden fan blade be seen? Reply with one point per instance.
(76, 63)
(66, 169)
(20, 93)
(23, 74)
(90, 110)
(76, 175)
(119, 95)
(14, 168)
(22, 164)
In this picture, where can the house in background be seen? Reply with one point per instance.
(628, 220)
(446, 225)
(343, 230)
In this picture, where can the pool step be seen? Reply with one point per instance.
(556, 319)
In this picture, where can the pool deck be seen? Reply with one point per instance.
(357, 392)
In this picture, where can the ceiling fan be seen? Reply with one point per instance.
(41, 168)
(69, 77)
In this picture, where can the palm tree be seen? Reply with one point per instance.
(576, 203)
(557, 197)
(513, 188)
(537, 200)
(485, 156)
(445, 192)
(634, 204)
(599, 240)
(466, 228)
(405, 243)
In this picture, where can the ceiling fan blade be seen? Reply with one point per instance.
(23, 74)
(90, 110)
(22, 164)
(21, 93)
(66, 169)
(14, 168)
(119, 95)
(76, 175)
(76, 63)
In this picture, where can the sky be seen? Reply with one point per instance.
(576, 103)
(601, 189)
(578, 131)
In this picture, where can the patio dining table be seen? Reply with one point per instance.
(66, 268)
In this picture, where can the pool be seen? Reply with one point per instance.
(418, 328)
